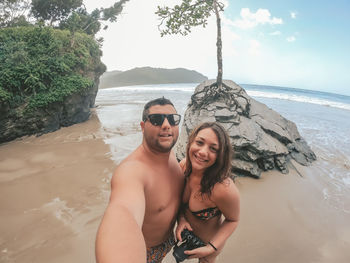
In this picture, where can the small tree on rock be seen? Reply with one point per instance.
(181, 18)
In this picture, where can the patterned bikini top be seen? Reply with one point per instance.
(204, 214)
(207, 213)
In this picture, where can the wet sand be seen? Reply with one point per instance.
(54, 189)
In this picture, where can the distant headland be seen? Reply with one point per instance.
(148, 75)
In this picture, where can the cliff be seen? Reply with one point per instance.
(48, 79)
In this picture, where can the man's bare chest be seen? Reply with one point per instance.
(163, 193)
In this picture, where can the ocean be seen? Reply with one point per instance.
(323, 120)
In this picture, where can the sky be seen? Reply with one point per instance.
(289, 43)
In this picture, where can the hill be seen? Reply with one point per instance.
(148, 75)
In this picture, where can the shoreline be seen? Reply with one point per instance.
(54, 190)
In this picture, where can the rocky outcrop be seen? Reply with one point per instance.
(74, 109)
(261, 138)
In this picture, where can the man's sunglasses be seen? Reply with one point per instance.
(157, 119)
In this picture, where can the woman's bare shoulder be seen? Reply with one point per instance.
(226, 197)
(225, 189)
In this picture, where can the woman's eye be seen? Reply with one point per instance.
(199, 142)
(213, 149)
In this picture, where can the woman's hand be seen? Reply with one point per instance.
(181, 225)
(200, 252)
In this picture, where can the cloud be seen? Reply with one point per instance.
(291, 38)
(293, 14)
(261, 16)
(275, 33)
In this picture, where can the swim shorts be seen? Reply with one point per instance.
(157, 253)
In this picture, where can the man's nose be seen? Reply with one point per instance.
(166, 124)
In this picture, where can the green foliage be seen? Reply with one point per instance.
(63, 14)
(81, 21)
(54, 10)
(40, 66)
(110, 14)
(61, 88)
(4, 95)
(180, 18)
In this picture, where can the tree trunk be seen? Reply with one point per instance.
(218, 46)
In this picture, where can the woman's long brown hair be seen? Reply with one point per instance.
(221, 169)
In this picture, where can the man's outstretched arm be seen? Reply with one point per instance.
(119, 238)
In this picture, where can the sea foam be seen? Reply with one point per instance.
(298, 98)
(265, 92)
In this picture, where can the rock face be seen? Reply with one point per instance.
(74, 109)
(261, 138)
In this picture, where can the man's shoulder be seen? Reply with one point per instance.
(130, 169)
(131, 165)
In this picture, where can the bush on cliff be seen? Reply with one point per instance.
(39, 66)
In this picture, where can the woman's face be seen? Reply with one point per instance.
(204, 149)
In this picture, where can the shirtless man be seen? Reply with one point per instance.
(146, 193)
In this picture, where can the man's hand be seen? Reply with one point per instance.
(181, 225)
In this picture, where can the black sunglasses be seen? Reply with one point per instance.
(157, 119)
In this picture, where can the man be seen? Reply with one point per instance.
(146, 193)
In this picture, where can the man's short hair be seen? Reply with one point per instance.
(159, 101)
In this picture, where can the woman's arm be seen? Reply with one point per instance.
(226, 197)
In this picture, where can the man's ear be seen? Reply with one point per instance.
(142, 124)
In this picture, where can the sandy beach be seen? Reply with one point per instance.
(54, 189)
(53, 192)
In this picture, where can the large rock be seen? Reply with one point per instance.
(261, 138)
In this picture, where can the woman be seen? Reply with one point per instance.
(210, 199)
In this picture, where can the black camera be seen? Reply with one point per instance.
(189, 241)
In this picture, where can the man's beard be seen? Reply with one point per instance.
(154, 144)
(162, 148)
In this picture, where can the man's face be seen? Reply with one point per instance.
(160, 138)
